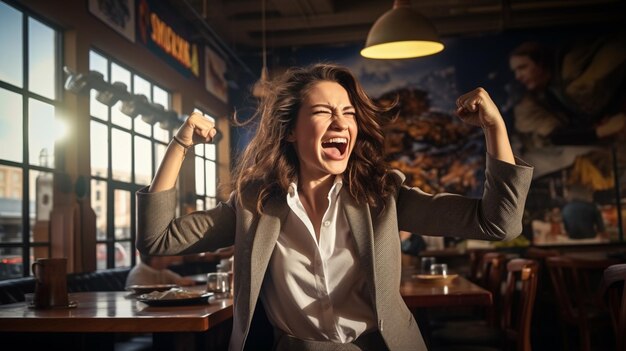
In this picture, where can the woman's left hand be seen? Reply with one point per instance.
(477, 108)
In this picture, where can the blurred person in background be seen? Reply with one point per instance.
(581, 216)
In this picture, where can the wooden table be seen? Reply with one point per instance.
(424, 297)
(418, 293)
(114, 312)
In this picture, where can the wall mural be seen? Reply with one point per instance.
(563, 96)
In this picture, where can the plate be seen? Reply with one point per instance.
(173, 300)
(434, 278)
(143, 289)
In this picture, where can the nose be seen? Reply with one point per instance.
(339, 122)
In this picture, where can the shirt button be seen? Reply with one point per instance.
(326, 223)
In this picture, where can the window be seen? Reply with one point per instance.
(29, 130)
(124, 156)
(206, 174)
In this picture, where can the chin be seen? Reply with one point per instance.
(335, 170)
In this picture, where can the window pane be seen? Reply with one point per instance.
(210, 151)
(40, 205)
(120, 156)
(210, 178)
(198, 149)
(98, 63)
(11, 115)
(143, 160)
(11, 204)
(200, 176)
(99, 145)
(122, 256)
(119, 118)
(160, 153)
(11, 37)
(199, 204)
(120, 74)
(161, 97)
(101, 256)
(162, 135)
(96, 108)
(142, 87)
(142, 127)
(11, 263)
(210, 203)
(42, 59)
(122, 213)
(99, 205)
(42, 131)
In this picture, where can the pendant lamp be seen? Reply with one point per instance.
(401, 33)
(260, 88)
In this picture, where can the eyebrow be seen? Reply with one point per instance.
(349, 107)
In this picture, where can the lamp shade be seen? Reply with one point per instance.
(401, 33)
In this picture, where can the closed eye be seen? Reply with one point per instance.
(322, 112)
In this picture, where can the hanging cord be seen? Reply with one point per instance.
(263, 28)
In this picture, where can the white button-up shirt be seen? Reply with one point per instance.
(317, 290)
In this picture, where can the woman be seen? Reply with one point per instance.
(316, 213)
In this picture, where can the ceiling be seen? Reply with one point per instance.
(235, 26)
(310, 22)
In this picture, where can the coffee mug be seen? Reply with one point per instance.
(50, 283)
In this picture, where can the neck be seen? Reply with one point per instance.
(316, 191)
(314, 197)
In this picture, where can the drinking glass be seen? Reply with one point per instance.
(425, 264)
(439, 269)
(219, 284)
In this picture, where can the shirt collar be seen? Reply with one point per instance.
(334, 190)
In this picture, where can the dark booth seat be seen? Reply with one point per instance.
(114, 279)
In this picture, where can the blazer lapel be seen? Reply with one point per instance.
(360, 223)
(265, 237)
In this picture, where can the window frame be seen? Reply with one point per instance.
(26, 245)
(113, 184)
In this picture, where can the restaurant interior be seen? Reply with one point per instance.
(93, 91)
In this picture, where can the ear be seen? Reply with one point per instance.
(291, 137)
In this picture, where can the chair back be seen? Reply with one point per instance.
(518, 301)
(545, 294)
(475, 259)
(614, 293)
(576, 284)
(492, 274)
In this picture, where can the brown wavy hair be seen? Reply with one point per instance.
(269, 163)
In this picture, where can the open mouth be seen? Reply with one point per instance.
(335, 147)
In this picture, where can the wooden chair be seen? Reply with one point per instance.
(513, 332)
(546, 313)
(614, 294)
(540, 255)
(475, 260)
(576, 286)
(493, 272)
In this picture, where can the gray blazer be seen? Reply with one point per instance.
(497, 216)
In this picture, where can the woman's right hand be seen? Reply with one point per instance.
(197, 129)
